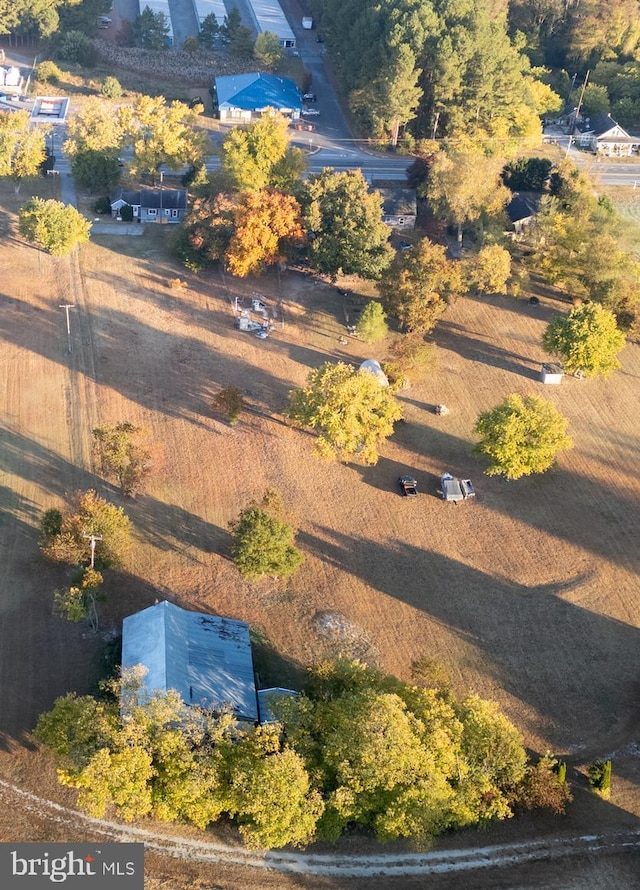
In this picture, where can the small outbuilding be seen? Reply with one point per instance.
(551, 373)
(205, 658)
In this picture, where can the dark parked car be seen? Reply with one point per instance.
(309, 97)
(408, 486)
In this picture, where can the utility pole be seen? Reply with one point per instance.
(577, 112)
(66, 307)
(92, 544)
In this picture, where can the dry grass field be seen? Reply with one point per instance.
(528, 595)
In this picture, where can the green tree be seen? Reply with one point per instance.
(209, 30)
(121, 778)
(407, 761)
(389, 101)
(124, 455)
(86, 514)
(263, 544)
(527, 174)
(155, 755)
(150, 29)
(419, 284)
(76, 47)
(56, 227)
(161, 134)
(96, 170)
(267, 49)
(344, 222)
(111, 88)
(596, 100)
(76, 728)
(463, 187)
(372, 325)
(95, 127)
(587, 339)
(599, 774)
(33, 18)
(48, 72)
(352, 412)
(268, 791)
(78, 602)
(230, 402)
(521, 436)
(492, 269)
(258, 156)
(22, 148)
(492, 745)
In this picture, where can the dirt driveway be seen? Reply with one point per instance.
(529, 595)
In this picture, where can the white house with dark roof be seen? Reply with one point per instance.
(399, 208)
(151, 205)
(206, 658)
(242, 97)
(604, 136)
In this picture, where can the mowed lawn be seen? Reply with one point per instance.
(527, 595)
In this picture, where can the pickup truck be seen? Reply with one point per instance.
(408, 486)
(450, 488)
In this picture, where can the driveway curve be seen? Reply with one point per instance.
(337, 866)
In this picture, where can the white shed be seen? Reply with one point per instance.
(551, 374)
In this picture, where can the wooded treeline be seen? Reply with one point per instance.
(469, 70)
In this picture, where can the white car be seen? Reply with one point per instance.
(262, 334)
(310, 112)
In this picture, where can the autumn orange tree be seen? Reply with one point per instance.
(265, 222)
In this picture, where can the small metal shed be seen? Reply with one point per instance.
(551, 374)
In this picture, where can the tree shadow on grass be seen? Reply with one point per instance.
(456, 338)
(572, 666)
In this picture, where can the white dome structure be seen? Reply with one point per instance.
(373, 367)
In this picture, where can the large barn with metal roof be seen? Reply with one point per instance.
(206, 658)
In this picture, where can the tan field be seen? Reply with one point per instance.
(528, 594)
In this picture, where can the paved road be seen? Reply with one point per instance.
(606, 171)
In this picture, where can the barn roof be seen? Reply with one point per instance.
(206, 658)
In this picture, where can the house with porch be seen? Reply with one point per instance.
(604, 136)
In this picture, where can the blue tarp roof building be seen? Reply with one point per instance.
(256, 92)
(206, 658)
